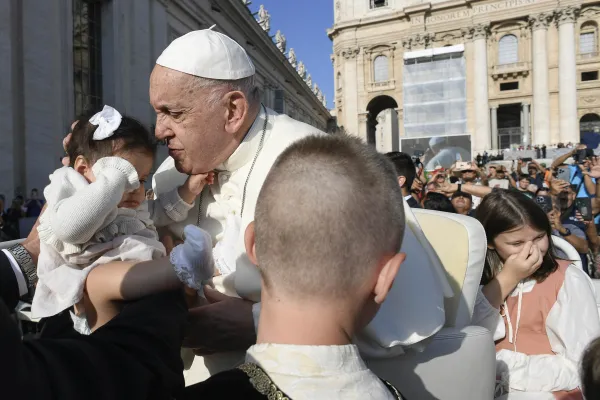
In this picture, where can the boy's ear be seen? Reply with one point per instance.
(249, 241)
(386, 277)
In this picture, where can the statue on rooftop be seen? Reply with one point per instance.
(292, 58)
(280, 41)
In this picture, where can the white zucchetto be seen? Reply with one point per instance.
(207, 54)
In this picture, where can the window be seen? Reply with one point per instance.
(87, 56)
(587, 38)
(380, 69)
(589, 76)
(509, 86)
(508, 50)
(378, 3)
(339, 81)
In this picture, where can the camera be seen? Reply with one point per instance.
(416, 157)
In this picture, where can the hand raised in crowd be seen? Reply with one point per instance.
(594, 169)
(448, 188)
(554, 218)
(417, 185)
(557, 186)
(525, 263)
(580, 219)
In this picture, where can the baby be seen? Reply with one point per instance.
(97, 213)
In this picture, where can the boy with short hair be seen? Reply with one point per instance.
(590, 371)
(329, 223)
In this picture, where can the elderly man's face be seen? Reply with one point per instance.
(193, 128)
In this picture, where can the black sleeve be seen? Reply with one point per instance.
(9, 287)
(134, 356)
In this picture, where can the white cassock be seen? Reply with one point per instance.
(221, 205)
(395, 326)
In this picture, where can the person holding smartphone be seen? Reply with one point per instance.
(567, 222)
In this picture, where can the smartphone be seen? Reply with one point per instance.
(581, 156)
(584, 205)
(527, 159)
(545, 202)
(564, 174)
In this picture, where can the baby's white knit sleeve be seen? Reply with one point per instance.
(169, 207)
(77, 217)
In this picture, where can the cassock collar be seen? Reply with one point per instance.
(310, 360)
(247, 149)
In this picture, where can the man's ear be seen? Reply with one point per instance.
(237, 110)
(401, 181)
(249, 241)
(386, 277)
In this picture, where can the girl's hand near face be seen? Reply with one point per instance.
(522, 265)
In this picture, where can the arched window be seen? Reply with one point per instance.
(508, 50)
(380, 68)
(588, 38)
(339, 81)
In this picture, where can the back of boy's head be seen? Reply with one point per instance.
(329, 211)
(130, 136)
(590, 371)
(404, 166)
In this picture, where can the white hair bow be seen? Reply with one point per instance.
(108, 121)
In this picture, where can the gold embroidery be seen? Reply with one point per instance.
(262, 383)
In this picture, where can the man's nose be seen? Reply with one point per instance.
(162, 131)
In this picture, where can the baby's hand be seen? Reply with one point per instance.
(195, 183)
(193, 260)
(193, 186)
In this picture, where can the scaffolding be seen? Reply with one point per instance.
(435, 101)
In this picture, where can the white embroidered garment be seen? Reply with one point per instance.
(572, 323)
(319, 372)
(82, 228)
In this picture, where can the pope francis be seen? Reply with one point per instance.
(210, 115)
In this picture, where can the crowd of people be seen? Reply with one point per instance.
(307, 231)
(11, 217)
(567, 192)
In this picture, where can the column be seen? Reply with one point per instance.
(525, 124)
(351, 89)
(541, 95)
(482, 113)
(494, 111)
(12, 116)
(567, 75)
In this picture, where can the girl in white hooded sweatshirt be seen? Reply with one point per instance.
(541, 310)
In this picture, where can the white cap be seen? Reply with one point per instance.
(207, 54)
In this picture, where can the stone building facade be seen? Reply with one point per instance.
(60, 58)
(531, 66)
